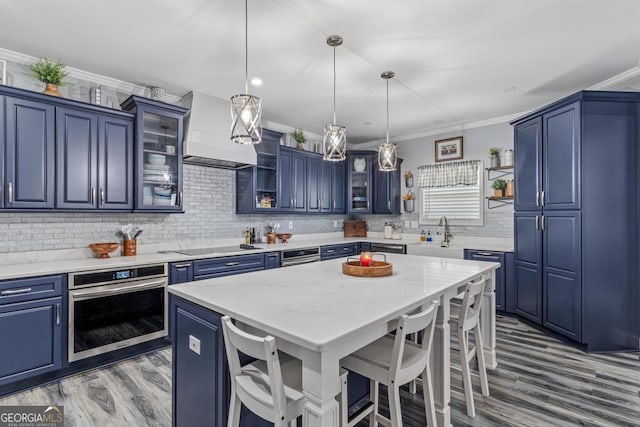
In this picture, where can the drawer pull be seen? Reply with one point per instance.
(485, 253)
(329, 251)
(15, 291)
(346, 249)
(57, 314)
(231, 264)
(188, 264)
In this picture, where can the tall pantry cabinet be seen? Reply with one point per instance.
(577, 218)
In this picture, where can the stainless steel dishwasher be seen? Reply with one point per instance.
(389, 248)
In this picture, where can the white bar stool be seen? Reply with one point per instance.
(394, 361)
(271, 387)
(465, 316)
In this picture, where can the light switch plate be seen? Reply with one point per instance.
(407, 224)
(335, 223)
(290, 225)
(194, 344)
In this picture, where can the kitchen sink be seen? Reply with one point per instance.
(436, 250)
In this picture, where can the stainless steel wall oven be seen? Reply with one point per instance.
(116, 308)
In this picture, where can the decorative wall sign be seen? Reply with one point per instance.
(448, 149)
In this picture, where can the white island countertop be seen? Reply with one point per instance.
(317, 306)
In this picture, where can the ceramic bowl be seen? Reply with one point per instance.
(162, 191)
(103, 249)
(157, 159)
(284, 237)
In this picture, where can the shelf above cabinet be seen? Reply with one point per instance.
(498, 201)
(499, 172)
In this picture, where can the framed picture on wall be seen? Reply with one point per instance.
(449, 149)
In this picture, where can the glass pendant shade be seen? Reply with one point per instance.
(334, 144)
(387, 157)
(246, 113)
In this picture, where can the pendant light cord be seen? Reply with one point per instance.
(334, 85)
(246, 47)
(387, 111)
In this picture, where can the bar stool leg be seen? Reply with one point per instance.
(466, 372)
(373, 392)
(394, 406)
(484, 381)
(429, 402)
(234, 411)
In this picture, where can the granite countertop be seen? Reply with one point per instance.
(317, 306)
(31, 264)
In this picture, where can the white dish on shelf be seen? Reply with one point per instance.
(156, 159)
(153, 167)
(162, 191)
(161, 200)
(359, 164)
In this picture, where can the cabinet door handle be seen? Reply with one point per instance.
(10, 192)
(102, 196)
(15, 291)
(485, 253)
(542, 198)
(346, 249)
(57, 314)
(542, 223)
(291, 202)
(329, 251)
(389, 204)
(537, 220)
(367, 205)
(231, 264)
(537, 198)
(93, 195)
(185, 265)
(334, 205)
(180, 198)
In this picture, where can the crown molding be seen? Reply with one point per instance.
(619, 80)
(21, 58)
(279, 127)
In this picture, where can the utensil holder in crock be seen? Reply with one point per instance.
(130, 247)
(271, 238)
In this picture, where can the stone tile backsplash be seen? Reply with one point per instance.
(209, 198)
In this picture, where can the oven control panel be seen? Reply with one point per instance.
(92, 278)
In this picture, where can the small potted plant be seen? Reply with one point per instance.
(408, 179)
(299, 137)
(494, 157)
(498, 186)
(409, 201)
(50, 73)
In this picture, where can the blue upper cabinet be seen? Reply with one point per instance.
(313, 179)
(386, 190)
(359, 181)
(285, 188)
(528, 160)
(338, 188)
(561, 159)
(159, 135)
(299, 182)
(30, 159)
(94, 160)
(325, 186)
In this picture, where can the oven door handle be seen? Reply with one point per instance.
(80, 296)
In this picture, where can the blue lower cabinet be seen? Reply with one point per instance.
(271, 260)
(180, 272)
(338, 251)
(226, 266)
(493, 256)
(365, 247)
(31, 335)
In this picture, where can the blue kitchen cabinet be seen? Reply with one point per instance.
(158, 154)
(313, 183)
(359, 182)
(338, 251)
(528, 160)
(562, 290)
(292, 180)
(528, 265)
(180, 272)
(31, 327)
(29, 164)
(227, 266)
(338, 192)
(325, 186)
(3, 125)
(285, 186)
(387, 193)
(364, 246)
(510, 283)
(561, 159)
(500, 285)
(94, 160)
(271, 260)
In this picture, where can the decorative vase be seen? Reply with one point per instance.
(509, 191)
(495, 161)
(52, 90)
(409, 205)
(498, 192)
(300, 145)
(409, 182)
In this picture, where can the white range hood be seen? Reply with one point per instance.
(207, 139)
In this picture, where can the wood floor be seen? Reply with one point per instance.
(539, 382)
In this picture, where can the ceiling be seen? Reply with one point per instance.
(456, 61)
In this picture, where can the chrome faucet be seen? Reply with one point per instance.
(447, 234)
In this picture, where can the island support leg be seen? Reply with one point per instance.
(440, 363)
(320, 384)
(488, 322)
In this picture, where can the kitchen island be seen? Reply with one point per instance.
(318, 315)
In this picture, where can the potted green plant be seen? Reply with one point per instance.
(50, 73)
(498, 186)
(299, 137)
(494, 157)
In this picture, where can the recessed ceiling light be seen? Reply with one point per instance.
(256, 81)
(510, 89)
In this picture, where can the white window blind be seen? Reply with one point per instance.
(460, 203)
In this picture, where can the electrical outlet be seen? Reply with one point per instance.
(335, 224)
(194, 344)
(414, 224)
(407, 224)
(290, 225)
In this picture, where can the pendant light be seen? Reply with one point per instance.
(246, 110)
(387, 152)
(334, 143)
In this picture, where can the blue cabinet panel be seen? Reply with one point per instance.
(492, 256)
(226, 266)
(365, 246)
(299, 182)
(271, 260)
(527, 237)
(338, 187)
(115, 155)
(528, 265)
(561, 152)
(32, 335)
(529, 292)
(3, 125)
(180, 272)
(77, 158)
(359, 182)
(325, 186)
(510, 283)
(313, 184)
(528, 159)
(19, 290)
(285, 184)
(30, 155)
(337, 251)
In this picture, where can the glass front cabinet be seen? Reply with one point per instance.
(159, 134)
(359, 181)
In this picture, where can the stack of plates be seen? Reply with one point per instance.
(162, 195)
(157, 173)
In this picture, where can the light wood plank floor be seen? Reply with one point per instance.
(539, 382)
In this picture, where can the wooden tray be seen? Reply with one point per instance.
(376, 269)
